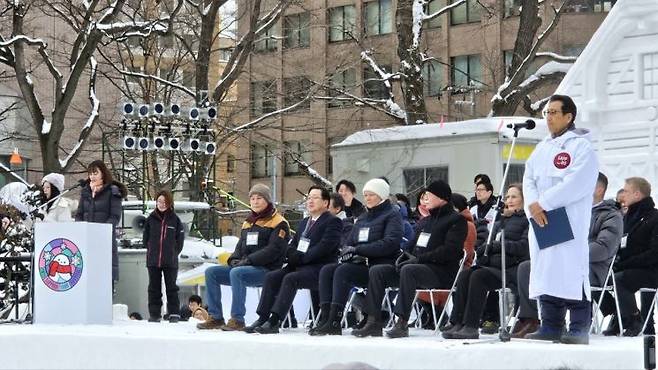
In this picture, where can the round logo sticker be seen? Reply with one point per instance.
(562, 160)
(60, 265)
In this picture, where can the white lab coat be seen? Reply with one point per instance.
(562, 270)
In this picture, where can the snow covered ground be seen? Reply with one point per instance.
(143, 345)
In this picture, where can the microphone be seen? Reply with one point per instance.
(82, 183)
(529, 125)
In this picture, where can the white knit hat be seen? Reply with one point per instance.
(379, 187)
(54, 179)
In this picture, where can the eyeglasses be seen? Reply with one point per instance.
(313, 198)
(481, 189)
(551, 112)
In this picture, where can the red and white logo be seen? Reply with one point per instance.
(562, 160)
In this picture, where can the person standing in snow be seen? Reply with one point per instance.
(100, 201)
(163, 238)
(56, 211)
(561, 172)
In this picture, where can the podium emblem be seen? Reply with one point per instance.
(60, 265)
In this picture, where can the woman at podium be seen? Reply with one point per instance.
(100, 202)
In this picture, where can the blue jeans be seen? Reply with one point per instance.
(239, 278)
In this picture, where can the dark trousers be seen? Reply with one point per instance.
(471, 293)
(155, 290)
(337, 280)
(280, 288)
(410, 278)
(554, 309)
(628, 282)
(527, 306)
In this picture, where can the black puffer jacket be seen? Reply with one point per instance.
(641, 225)
(355, 209)
(104, 208)
(516, 242)
(273, 236)
(384, 225)
(445, 246)
(163, 238)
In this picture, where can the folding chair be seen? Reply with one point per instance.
(596, 325)
(387, 304)
(431, 294)
(653, 304)
(310, 314)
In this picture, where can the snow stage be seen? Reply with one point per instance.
(143, 345)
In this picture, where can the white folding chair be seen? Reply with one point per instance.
(387, 304)
(612, 289)
(431, 294)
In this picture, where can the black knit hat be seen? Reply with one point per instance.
(441, 189)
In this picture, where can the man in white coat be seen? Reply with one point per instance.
(561, 172)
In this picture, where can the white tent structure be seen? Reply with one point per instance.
(615, 85)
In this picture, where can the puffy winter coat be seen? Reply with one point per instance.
(516, 242)
(641, 227)
(384, 225)
(272, 240)
(447, 231)
(605, 231)
(163, 238)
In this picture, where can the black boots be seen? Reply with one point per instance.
(271, 326)
(613, 327)
(633, 325)
(332, 325)
(324, 316)
(372, 328)
(252, 328)
(400, 330)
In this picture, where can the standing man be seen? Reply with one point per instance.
(353, 208)
(561, 172)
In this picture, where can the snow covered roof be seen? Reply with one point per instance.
(433, 130)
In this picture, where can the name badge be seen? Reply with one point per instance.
(252, 238)
(364, 232)
(623, 241)
(302, 246)
(423, 239)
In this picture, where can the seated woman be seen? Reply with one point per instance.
(474, 283)
(374, 240)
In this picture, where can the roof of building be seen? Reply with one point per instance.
(448, 129)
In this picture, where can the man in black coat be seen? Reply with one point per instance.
(637, 262)
(347, 190)
(315, 244)
(433, 263)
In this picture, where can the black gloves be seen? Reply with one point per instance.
(294, 257)
(346, 254)
(405, 258)
(243, 262)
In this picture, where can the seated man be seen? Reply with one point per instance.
(261, 249)
(337, 208)
(315, 244)
(637, 263)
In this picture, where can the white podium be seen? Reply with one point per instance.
(72, 273)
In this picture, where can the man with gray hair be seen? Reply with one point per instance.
(637, 263)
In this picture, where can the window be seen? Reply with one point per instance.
(466, 70)
(468, 12)
(378, 17)
(225, 54)
(342, 21)
(230, 163)
(266, 41)
(650, 78)
(373, 85)
(416, 179)
(262, 160)
(512, 8)
(295, 89)
(295, 149)
(514, 175)
(263, 97)
(344, 81)
(296, 31)
(588, 6)
(189, 77)
(167, 41)
(432, 78)
(573, 50)
(432, 7)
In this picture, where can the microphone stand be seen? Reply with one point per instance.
(503, 334)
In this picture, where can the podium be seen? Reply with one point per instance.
(72, 273)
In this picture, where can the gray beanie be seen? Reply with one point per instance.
(262, 190)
